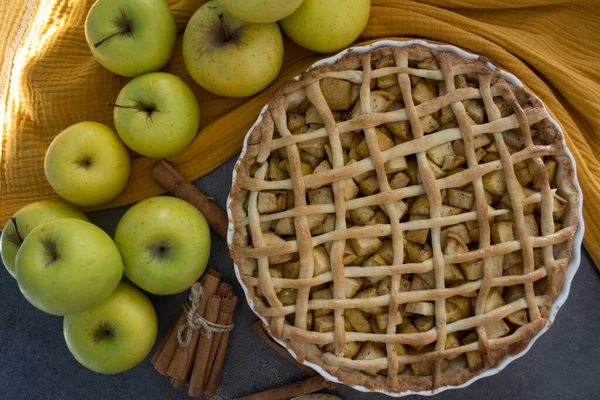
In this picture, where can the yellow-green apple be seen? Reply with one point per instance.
(116, 334)
(131, 37)
(228, 56)
(326, 26)
(261, 11)
(156, 114)
(165, 244)
(87, 164)
(23, 221)
(68, 265)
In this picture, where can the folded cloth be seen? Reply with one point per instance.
(50, 80)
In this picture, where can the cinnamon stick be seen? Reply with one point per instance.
(259, 331)
(178, 383)
(295, 389)
(224, 289)
(213, 272)
(162, 345)
(183, 357)
(204, 343)
(164, 355)
(168, 350)
(165, 174)
(219, 346)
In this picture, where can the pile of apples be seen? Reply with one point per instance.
(66, 266)
(231, 48)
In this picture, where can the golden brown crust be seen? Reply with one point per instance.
(529, 114)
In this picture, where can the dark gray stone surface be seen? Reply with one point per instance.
(36, 364)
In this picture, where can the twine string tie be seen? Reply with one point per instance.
(194, 322)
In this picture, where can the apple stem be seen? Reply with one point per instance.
(130, 107)
(225, 28)
(96, 45)
(14, 221)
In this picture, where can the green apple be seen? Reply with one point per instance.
(23, 221)
(261, 11)
(131, 37)
(326, 26)
(116, 334)
(165, 244)
(87, 164)
(230, 57)
(68, 265)
(157, 115)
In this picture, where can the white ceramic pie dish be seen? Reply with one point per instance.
(572, 267)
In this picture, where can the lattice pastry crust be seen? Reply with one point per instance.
(403, 218)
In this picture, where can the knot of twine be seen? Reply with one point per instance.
(195, 322)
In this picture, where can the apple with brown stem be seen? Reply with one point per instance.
(228, 56)
(25, 220)
(68, 265)
(131, 37)
(156, 114)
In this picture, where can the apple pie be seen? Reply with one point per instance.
(404, 218)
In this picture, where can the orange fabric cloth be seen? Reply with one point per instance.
(49, 80)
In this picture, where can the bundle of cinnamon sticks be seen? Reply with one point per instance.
(200, 363)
